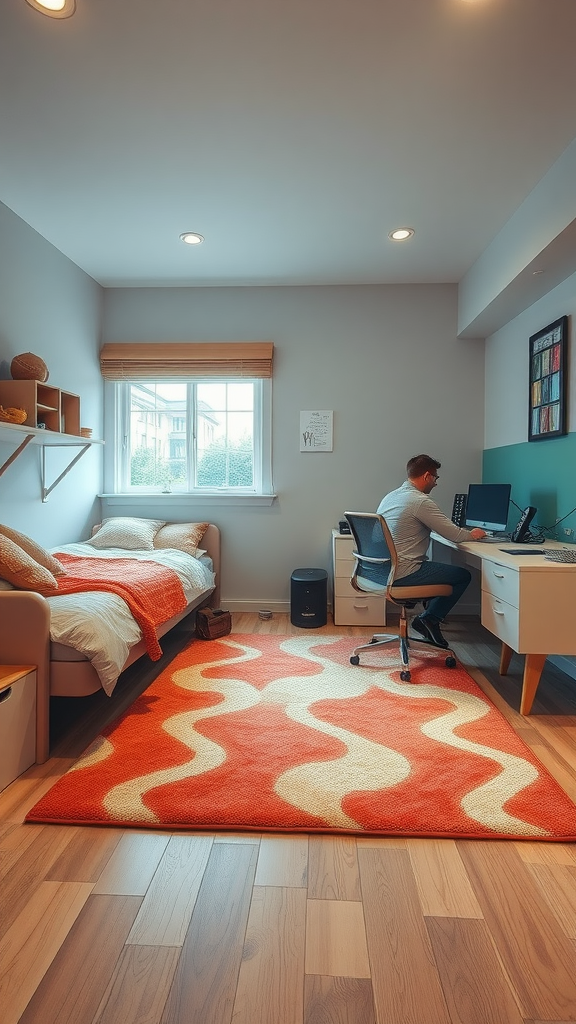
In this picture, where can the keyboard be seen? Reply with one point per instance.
(494, 540)
(561, 555)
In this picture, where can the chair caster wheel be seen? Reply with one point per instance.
(405, 677)
(450, 662)
(355, 659)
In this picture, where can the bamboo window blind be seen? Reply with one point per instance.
(155, 361)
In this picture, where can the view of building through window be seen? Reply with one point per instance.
(186, 435)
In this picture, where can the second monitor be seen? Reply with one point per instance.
(487, 507)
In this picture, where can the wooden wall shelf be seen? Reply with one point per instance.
(22, 436)
(58, 410)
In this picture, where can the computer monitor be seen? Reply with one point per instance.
(487, 507)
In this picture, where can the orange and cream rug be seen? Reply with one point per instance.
(275, 733)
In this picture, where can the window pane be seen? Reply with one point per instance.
(185, 435)
(158, 435)
(225, 436)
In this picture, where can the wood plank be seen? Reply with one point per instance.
(338, 1001)
(558, 887)
(238, 837)
(132, 865)
(26, 874)
(14, 843)
(6, 827)
(333, 872)
(139, 986)
(271, 978)
(72, 988)
(443, 885)
(538, 959)
(283, 860)
(564, 774)
(381, 842)
(21, 795)
(547, 853)
(204, 986)
(32, 942)
(552, 731)
(85, 855)
(466, 958)
(405, 981)
(336, 939)
(168, 904)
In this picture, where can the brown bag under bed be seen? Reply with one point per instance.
(212, 623)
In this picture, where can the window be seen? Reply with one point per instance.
(188, 418)
(201, 436)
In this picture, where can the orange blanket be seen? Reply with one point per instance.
(152, 592)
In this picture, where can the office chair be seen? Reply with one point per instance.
(374, 572)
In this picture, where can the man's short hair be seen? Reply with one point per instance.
(421, 464)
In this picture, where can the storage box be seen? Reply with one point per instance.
(17, 722)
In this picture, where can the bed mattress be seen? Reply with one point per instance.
(98, 626)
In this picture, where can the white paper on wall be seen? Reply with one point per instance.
(316, 431)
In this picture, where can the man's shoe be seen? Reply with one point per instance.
(430, 630)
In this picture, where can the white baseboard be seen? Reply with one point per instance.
(280, 607)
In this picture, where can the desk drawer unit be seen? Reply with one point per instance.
(352, 608)
(17, 721)
(502, 619)
(500, 602)
(502, 582)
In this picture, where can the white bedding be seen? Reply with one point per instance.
(99, 625)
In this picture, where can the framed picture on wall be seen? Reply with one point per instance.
(548, 365)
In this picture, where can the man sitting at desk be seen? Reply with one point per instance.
(411, 516)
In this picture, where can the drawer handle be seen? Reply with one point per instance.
(5, 694)
(497, 612)
(499, 575)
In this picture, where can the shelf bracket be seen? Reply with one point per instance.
(47, 490)
(15, 454)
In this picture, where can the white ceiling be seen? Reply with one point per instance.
(292, 134)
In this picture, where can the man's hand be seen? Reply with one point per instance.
(477, 533)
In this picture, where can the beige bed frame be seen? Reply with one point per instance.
(25, 640)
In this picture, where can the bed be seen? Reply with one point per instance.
(82, 642)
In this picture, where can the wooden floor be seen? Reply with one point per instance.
(132, 927)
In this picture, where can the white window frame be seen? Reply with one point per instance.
(116, 433)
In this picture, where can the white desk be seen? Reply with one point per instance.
(527, 601)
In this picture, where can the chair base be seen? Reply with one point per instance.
(406, 644)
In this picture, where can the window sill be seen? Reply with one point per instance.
(157, 498)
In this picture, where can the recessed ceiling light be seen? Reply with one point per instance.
(191, 238)
(54, 8)
(401, 234)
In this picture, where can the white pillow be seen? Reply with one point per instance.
(127, 532)
(184, 536)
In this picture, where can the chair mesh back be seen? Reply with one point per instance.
(371, 543)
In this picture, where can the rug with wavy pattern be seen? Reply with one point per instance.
(276, 733)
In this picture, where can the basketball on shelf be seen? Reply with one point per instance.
(27, 366)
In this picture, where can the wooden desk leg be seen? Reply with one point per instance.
(505, 656)
(532, 671)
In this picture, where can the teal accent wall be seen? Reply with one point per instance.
(542, 473)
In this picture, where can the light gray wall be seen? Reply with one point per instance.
(385, 359)
(506, 414)
(50, 307)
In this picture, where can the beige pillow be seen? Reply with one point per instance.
(20, 569)
(127, 532)
(36, 551)
(185, 536)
